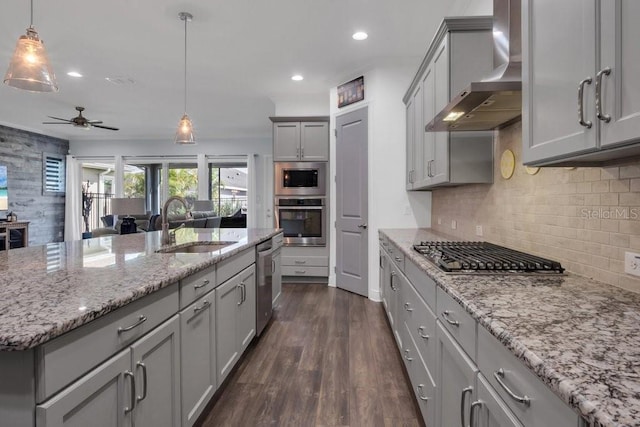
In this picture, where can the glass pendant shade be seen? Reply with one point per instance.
(184, 135)
(29, 68)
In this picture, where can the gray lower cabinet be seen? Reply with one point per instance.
(198, 328)
(138, 386)
(456, 379)
(489, 410)
(235, 319)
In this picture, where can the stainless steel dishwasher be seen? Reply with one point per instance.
(264, 306)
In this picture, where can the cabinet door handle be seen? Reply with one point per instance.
(420, 395)
(141, 320)
(604, 72)
(499, 375)
(472, 412)
(445, 316)
(203, 307)
(302, 152)
(244, 292)
(407, 307)
(586, 124)
(204, 283)
(393, 286)
(406, 356)
(273, 267)
(132, 401)
(144, 381)
(463, 400)
(238, 287)
(421, 330)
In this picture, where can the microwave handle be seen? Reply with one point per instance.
(302, 208)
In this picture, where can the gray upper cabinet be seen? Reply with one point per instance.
(461, 52)
(580, 108)
(300, 140)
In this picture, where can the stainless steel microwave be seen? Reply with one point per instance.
(300, 178)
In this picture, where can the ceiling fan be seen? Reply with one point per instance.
(79, 121)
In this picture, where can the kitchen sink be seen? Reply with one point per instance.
(196, 248)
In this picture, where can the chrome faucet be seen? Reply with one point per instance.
(170, 237)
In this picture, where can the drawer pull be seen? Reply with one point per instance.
(422, 334)
(419, 389)
(204, 306)
(499, 375)
(407, 307)
(472, 412)
(204, 283)
(445, 316)
(141, 320)
(300, 271)
(132, 402)
(463, 400)
(406, 355)
(144, 381)
(300, 261)
(398, 259)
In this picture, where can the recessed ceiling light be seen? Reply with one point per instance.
(360, 35)
(297, 78)
(74, 74)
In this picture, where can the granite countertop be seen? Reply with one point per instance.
(579, 336)
(49, 290)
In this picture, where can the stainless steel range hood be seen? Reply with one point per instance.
(495, 101)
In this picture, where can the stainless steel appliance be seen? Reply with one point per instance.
(300, 178)
(495, 101)
(304, 220)
(483, 257)
(265, 270)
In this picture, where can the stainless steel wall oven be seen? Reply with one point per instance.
(300, 178)
(304, 220)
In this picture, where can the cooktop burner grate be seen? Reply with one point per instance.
(484, 257)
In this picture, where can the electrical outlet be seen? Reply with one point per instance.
(439, 221)
(632, 263)
(454, 224)
(479, 230)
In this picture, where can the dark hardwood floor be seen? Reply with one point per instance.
(327, 359)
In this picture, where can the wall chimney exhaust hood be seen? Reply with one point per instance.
(496, 101)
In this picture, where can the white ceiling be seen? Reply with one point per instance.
(242, 54)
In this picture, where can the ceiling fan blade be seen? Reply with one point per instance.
(58, 118)
(56, 123)
(104, 127)
(94, 122)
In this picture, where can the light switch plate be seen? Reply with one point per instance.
(479, 230)
(632, 263)
(454, 224)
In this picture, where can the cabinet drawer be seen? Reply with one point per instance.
(196, 285)
(278, 240)
(289, 270)
(492, 411)
(306, 261)
(230, 267)
(396, 256)
(68, 357)
(544, 408)
(457, 321)
(422, 383)
(421, 323)
(425, 285)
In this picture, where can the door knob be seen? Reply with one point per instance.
(363, 226)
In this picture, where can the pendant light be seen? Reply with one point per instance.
(184, 134)
(29, 68)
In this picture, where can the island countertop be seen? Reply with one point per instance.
(51, 289)
(579, 336)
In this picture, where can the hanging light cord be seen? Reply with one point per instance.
(31, 22)
(186, 19)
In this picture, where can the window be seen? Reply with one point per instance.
(229, 189)
(53, 171)
(134, 181)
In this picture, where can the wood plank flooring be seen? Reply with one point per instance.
(328, 358)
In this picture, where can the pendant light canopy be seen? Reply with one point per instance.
(184, 134)
(29, 68)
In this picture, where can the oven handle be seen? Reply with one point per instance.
(302, 208)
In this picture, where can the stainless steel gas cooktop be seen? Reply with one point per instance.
(483, 257)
